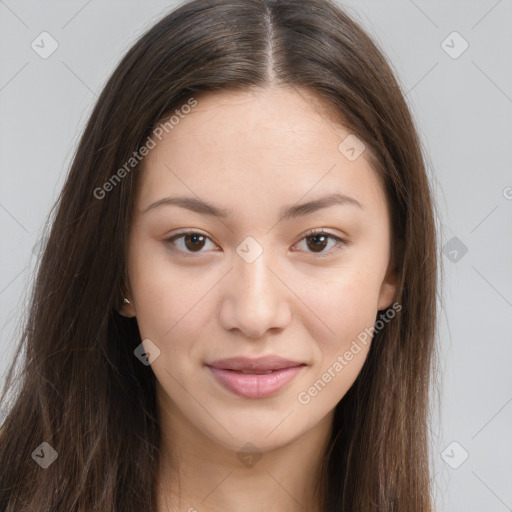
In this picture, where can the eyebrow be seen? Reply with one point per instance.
(287, 212)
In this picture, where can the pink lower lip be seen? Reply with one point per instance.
(252, 385)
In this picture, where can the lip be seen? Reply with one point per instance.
(252, 385)
(264, 363)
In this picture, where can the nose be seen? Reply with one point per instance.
(255, 299)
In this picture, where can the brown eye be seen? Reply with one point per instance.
(194, 241)
(318, 241)
(188, 243)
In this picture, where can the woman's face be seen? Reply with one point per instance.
(248, 280)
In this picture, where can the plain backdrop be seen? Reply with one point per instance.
(453, 59)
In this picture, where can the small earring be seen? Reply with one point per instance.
(126, 301)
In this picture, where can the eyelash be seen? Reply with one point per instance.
(312, 232)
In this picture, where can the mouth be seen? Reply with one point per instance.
(255, 378)
(255, 365)
(253, 372)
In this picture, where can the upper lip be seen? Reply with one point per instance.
(258, 364)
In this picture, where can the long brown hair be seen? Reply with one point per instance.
(81, 390)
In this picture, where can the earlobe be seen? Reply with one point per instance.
(388, 291)
(127, 310)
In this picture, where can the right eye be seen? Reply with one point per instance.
(189, 242)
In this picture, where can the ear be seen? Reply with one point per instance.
(126, 309)
(388, 290)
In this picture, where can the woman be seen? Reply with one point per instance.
(236, 305)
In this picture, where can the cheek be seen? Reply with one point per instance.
(168, 297)
(347, 310)
(346, 306)
(346, 302)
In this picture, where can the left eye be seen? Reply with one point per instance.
(192, 242)
(317, 240)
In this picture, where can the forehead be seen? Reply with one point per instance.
(256, 149)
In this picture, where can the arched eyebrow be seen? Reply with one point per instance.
(297, 210)
(287, 213)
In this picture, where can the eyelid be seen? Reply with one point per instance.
(319, 231)
(170, 239)
(189, 231)
(341, 241)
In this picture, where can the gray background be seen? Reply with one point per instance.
(463, 108)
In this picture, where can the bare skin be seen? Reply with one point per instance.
(303, 298)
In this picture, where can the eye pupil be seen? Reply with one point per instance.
(194, 238)
(316, 246)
